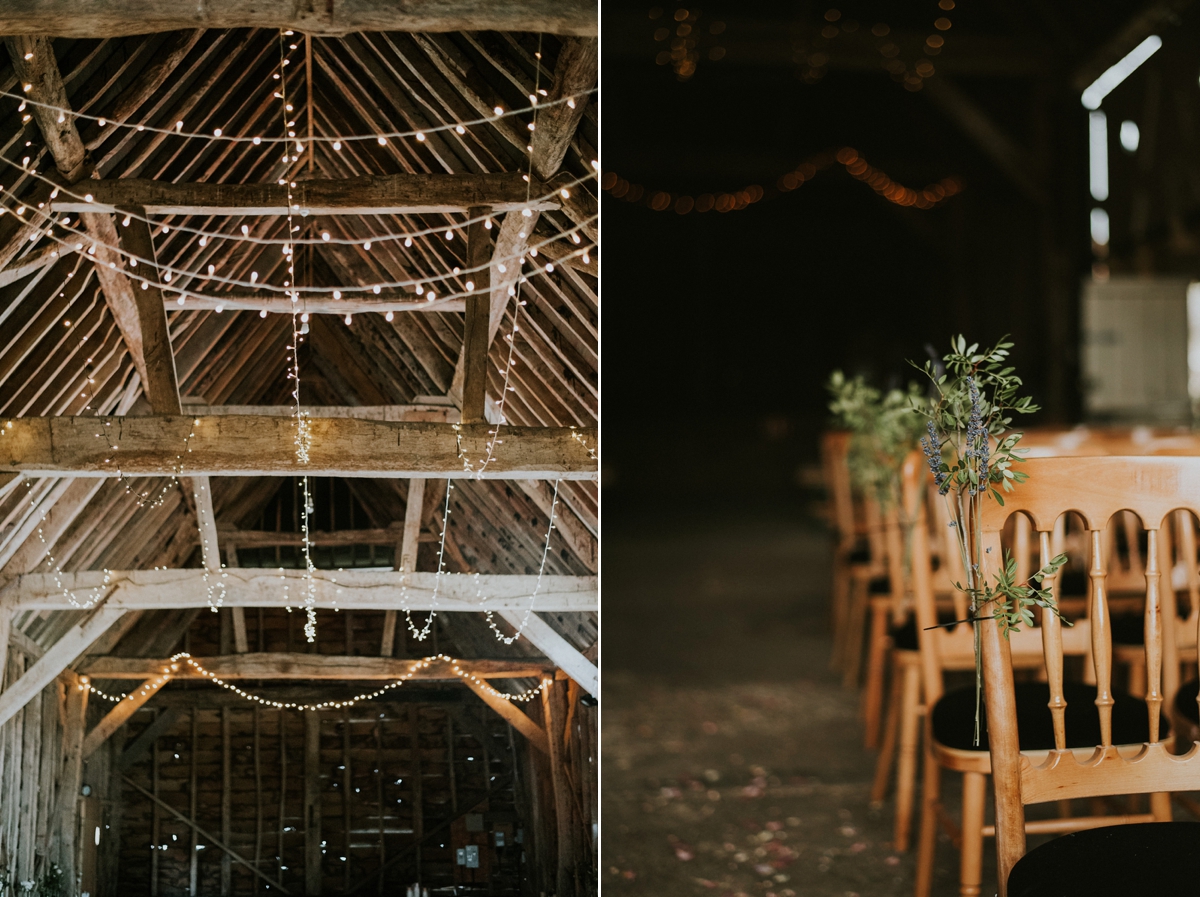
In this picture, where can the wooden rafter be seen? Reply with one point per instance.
(288, 666)
(250, 445)
(119, 18)
(396, 194)
(346, 589)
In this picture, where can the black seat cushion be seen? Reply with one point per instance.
(1185, 701)
(1128, 629)
(954, 718)
(860, 555)
(879, 586)
(1113, 861)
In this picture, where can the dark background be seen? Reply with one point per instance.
(720, 329)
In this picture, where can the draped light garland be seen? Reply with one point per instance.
(168, 672)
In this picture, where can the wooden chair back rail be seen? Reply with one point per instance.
(1097, 488)
(835, 450)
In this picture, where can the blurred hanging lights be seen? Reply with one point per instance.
(856, 166)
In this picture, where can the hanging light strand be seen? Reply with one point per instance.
(508, 640)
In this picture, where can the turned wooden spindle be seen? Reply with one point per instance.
(1101, 637)
(1154, 634)
(1052, 647)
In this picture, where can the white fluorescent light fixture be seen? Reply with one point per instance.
(1130, 136)
(1107, 83)
(1099, 222)
(1098, 155)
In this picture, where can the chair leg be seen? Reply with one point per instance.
(887, 751)
(906, 758)
(852, 644)
(971, 869)
(927, 840)
(872, 702)
(837, 612)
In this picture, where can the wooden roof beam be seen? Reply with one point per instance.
(254, 445)
(312, 303)
(345, 589)
(295, 665)
(575, 74)
(334, 18)
(395, 194)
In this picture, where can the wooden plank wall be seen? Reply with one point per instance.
(385, 771)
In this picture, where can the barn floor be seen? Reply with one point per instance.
(732, 758)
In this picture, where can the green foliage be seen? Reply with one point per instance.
(883, 430)
(1014, 603)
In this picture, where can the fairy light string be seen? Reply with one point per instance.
(500, 636)
(78, 240)
(855, 165)
(417, 666)
(217, 135)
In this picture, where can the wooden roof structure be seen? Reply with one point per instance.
(402, 230)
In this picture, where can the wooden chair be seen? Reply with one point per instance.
(949, 719)
(1158, 857)
(859, 555)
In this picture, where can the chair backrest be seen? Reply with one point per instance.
(1096, 488)
(835, 452)
(951, 647)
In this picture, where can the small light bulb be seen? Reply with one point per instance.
(389, 316)
(348, 320)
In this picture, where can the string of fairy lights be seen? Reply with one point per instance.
(166, 278)
(855, 165)
(74, 239)
(167, 673)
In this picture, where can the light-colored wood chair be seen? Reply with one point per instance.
(1153, 858)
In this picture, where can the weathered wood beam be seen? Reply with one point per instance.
(56, 660)
(347, 589)
(314, 304)
(406, 559)
(216, 842)
(206, 522)
(284, 665)
(123, 710)
(476, 336)
(245, 538)
(575, 74)
(396, 194)
(334, 18)
(992, 140)
(512, 241)
(65, 816)
(161, 385)
(565, 655)
(554, 716)
(427, 408)
(35, 261)
(512, 714)
(264, 446)
(579, 205)
(312, 805)
(35, 64)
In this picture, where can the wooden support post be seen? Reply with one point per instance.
(66, 805)
(162, 384)
(281, 862)
(379, 773)
(193, 803)
(418, 791)
(122, 711)
(406, 555)
(554, 719)
(476, 339)
(258, 792)
(312, 804)
(226, 801)
(156, 820)
(450, 764)
(5, 630)
(519, 720)
(347, 784)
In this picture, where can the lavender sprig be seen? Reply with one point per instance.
(932, 446)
